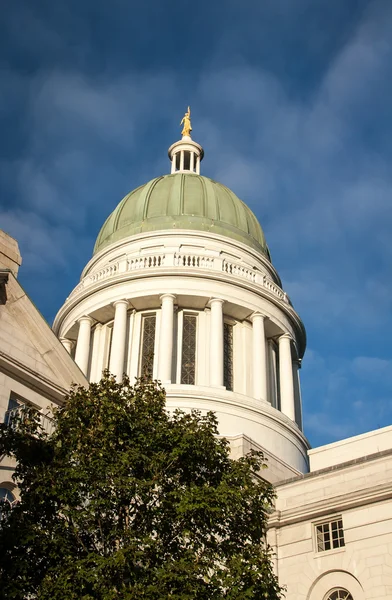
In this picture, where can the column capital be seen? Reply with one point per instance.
(286, 336)
(164, 296)
(67, 343)
(120, 302)
(257, 315)
(215, 301)
(86, 319)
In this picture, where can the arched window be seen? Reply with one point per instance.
(339, 594)
(6, 495)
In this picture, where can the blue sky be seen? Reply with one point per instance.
(292, 103)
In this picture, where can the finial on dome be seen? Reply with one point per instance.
(186, 155)
(186, 120)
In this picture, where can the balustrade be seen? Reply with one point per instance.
(188, 261)
(146, 262)
(193, 260)
(239, 270)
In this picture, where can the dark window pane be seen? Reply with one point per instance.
(228, 356)
(188, 359)
(329, 535)
(148, 346)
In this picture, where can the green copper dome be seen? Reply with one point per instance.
(182, 201)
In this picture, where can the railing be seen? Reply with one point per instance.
(45, 422)
(272, 287)
(193, 260)
(146, 262)
(238, 270)
(183, 260)
(104, 273)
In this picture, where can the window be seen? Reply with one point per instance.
(13, 406)
(228, 356)
(188, 358)
(7, 499)
(148, 345)
(339, 594)
(330, 535)
(6, 496)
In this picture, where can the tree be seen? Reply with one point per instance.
(125, 501)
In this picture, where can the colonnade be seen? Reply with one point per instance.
(260, 350)
(194, 162)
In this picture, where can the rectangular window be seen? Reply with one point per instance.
(228, 356)
(14, 405)
(148, 345)
(188, 358)
(329, 535)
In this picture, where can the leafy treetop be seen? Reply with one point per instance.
(125, 501)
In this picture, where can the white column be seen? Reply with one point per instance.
(286, 377)
(182, 160)
(297, 393)
(192, 162)
(117, 352)
(173, 164)
(216, 342)
(198, 165)
(83, 344)
(165, 351)
(95, 373)
(273, 375)
(259, 358)
(67, 344)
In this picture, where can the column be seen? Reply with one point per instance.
(117, 353)
(297, 393)
(165, 350)
(67, 344)
(192, 162)
(182, 160)
(173, 164)
(286, 377)
(259, 357)
(82, 352)
(273, 375)
(216, 342)
(198, 165)
(95, 353)
(98, 353)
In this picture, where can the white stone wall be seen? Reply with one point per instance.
(357, 446)
(361, 494)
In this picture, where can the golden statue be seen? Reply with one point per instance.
(186, 119)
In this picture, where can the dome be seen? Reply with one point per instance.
(183, 201)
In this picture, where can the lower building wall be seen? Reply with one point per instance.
(363, 566)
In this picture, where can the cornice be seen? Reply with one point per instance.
(32, 379)
(240, 401)
(335, 504)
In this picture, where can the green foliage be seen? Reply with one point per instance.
(124, 501)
